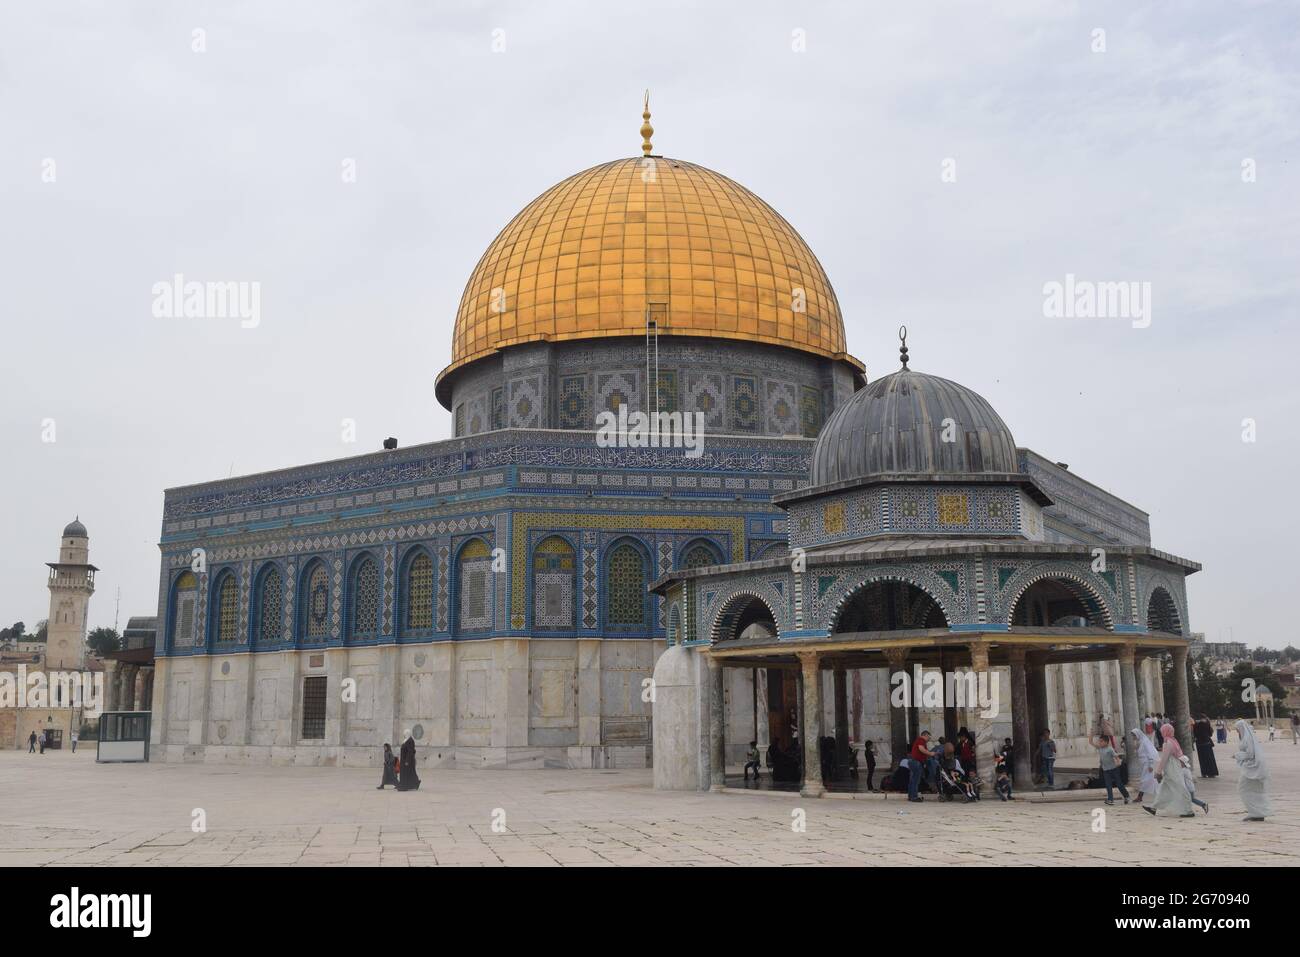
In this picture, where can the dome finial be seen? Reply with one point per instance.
(902, 350)
(647, 130)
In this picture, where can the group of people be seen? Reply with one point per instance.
(1166, 786)
(947, 768)
(399, 771)
(43, 739)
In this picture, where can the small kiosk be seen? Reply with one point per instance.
(123, 736)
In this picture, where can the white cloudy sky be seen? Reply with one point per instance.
(225, 165)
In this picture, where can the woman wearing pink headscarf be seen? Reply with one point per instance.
(1172, 799)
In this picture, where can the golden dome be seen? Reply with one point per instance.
(588, 257)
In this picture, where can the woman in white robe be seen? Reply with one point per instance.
(1172, 799)
(1144, 765)
(1252, 774)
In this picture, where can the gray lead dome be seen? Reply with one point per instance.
(75, 529)
(896, 425)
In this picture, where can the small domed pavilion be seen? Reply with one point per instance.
(924, 544)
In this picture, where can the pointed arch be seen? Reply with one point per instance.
(223, 609)
(313, 602)
(416, 576)
(365, 600)
(182, 611)
(625, 576)
(473, 584)
(1162, 612)
(699, 553)
(888, 602)
(268, 606)
(554, 581)
(738, 612)
(1095, 608)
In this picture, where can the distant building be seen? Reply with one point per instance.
(1225, 650)
(71, 582)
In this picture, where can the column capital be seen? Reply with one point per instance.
(811, 660)
(1180, 655)
(979, 657)
(713, 663)
(1018, 654)
(897, 657)
(1127, 652)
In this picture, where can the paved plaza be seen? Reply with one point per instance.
(64, 809)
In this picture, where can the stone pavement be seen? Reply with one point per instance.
(62, 808)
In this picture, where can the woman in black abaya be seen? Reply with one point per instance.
(408, 780)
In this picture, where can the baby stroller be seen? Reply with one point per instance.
(952, 783)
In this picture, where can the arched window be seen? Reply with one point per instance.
(365, 598)
(226, 612)
(316, 602)
(554, 566)
(417, 588)
(474, 582)
(183, 605)
(269, 623)
(699, 555)
(625, 586)
(675, 624)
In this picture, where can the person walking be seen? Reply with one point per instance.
(869, 754)
(31, 743)
(1190, 781)
(390, 771)
(74, 740)
(408, 780)
(1295, 726)
(1109, 767)
(1047, 753)
(1203, 734)
(1145, 765)
(1252, 774)
(1221, 732)
(42, 742)
(1172, 797)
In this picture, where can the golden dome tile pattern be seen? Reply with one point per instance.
(591, 254)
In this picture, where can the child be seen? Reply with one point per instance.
(1003, 784)
(1109, 767)
(751, 760)
(1188, 779)
(869, 752)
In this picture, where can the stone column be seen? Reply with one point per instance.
(110, 690)
(1182, 710)
(898, 743)
(841, 722)
(1129, 704)
(589, 703)
(1022, 742)
(1036, 678)
(717, 743)
(979, 662)
(762, 729)
(810, 731)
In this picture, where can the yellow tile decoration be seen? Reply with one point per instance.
(586, 258)
(833, 518)
(953, 509)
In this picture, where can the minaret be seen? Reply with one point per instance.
(72, 582)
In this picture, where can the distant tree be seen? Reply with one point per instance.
(1289, 653)
(1265, 654)
(103, 640)
(42, 631)
(14, 633)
